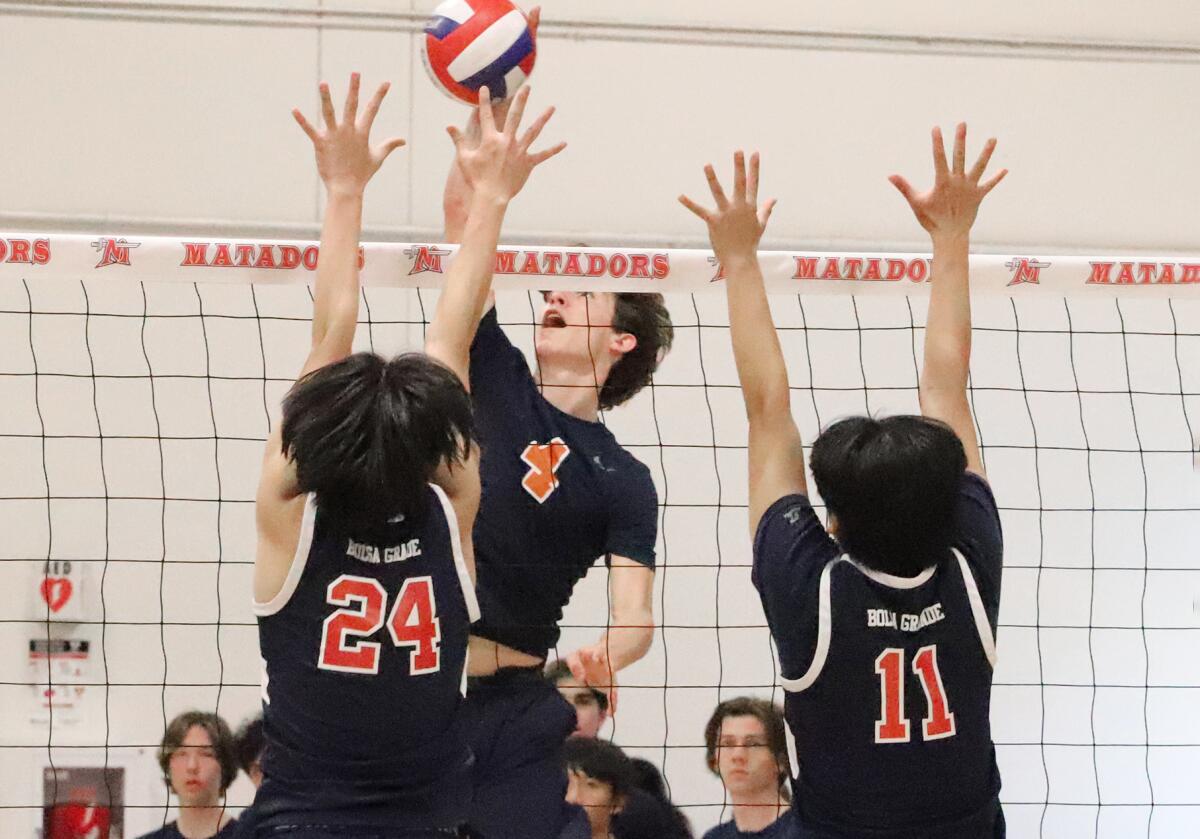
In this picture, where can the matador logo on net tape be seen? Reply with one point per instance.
(71, 257)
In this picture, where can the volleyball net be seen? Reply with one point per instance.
(139, 378)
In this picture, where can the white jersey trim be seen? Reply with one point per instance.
(891, 580)
(981, 619)
(460, 561)
(824, 630)
(299, 562)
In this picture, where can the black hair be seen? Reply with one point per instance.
(559, 670)
(667, 819)
(367, 434)
(250, 741)
(601, 760)
(645, 317)
(219, 736)
(893, 484)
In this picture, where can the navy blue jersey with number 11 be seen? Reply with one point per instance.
(365, 652)
(888, 679)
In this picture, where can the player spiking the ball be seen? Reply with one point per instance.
(559, 493)
(365, 658)
(890, 715)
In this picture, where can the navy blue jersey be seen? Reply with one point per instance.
(784, 827)
(364, 650)
(171, 831)
(888, 679)
(558, 493)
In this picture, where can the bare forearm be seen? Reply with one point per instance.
(627, 643)
(948, 328)
(335, 304)
(756, 351)
(468, 284)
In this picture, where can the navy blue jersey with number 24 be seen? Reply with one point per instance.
(364, 650)
(888, 679)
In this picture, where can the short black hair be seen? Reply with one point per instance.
(250, 742)
(893, 485)
(367, 434)
(601, 760)
(559, 670)
(645, 317)
(219, 736)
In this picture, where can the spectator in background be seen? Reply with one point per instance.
(648, 812)
(590, 704)
(250, 743)
(600, 779)
(746, 747)
(199, 762)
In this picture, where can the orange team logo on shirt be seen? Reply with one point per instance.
(543, 460)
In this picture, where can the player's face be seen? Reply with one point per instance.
(576, 327)
(595, 797)
(744, 757)
(195, 770)
(589, 716)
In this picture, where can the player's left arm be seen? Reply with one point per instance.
(630, 632)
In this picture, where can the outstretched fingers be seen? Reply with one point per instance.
(990, 184)
(960, 148)
(739, 176)
(516, 112)
(531, 134)
(696, 209)
(714, 186)
(368, 117)
(350, 108)
(752, 181)
(390, 146)
(981, 164)
(764, 213)
(542, 156)
(327, 108)
(305, 125)
(487, 120)
(941, 168)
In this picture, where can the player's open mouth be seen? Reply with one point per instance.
(553, 320)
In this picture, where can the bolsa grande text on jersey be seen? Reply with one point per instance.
(393, 553)
(909, 623)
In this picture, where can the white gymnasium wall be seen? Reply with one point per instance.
(144, 115)
(141, 117)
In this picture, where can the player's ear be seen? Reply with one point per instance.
(622, 343)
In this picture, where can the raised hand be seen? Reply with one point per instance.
(950, 207)
(591, 666)
(498, 164)
(737, 224)
(346, 160)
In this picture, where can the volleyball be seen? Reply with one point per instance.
(472, 43)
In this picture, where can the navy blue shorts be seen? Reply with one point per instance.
(516, 723)
(346, 831)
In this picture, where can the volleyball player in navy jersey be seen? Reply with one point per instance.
(369, 487)
(884, 623)
(559, 492)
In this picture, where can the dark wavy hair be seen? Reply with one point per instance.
(219, 736)
(601, 760)
(367, 434)
(559, 671)
(765, 712)
(893, 484)
(645, 317)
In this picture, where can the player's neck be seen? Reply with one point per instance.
(198, 822)
(572, 391)
(757, 811)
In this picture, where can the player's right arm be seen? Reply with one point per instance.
(735, 227)
(947, 212)
(346, 161)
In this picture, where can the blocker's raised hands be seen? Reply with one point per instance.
(346, 160)
(950, 207)
(498, 164)
(737, 224)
